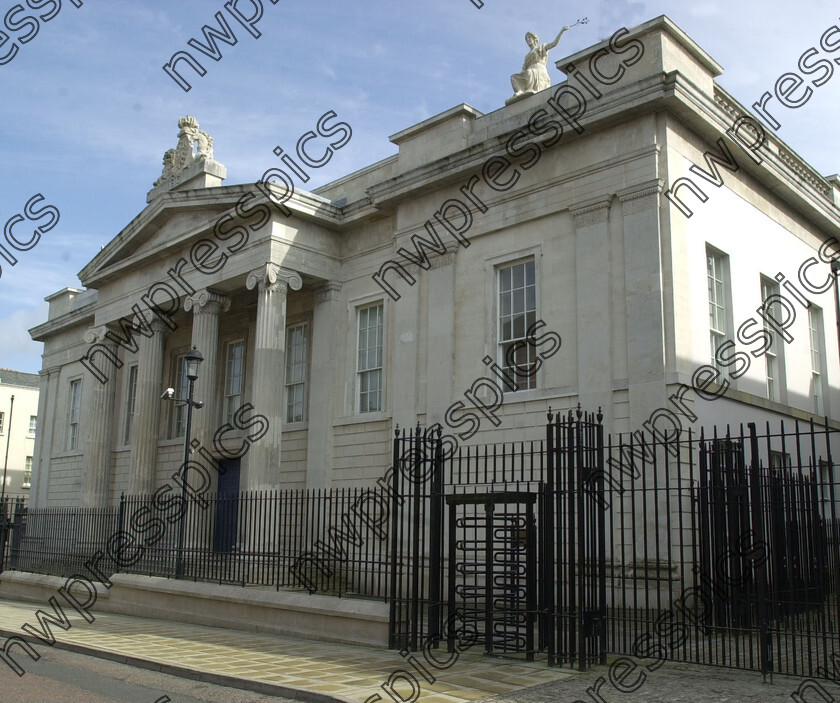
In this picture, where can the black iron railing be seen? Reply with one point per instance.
(720, 548)
(331, 541)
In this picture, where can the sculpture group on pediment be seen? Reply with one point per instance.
(193, 143)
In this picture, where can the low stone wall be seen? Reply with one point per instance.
(250, 609)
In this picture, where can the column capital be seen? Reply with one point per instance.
(640, 197)
(99, 334)
(327, 292)
(207, 301)
(96, 334)
(591, 212)
(273, 277)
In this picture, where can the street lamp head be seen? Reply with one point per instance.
(193, 359)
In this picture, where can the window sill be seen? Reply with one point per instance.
(292, 426)
(362, 417)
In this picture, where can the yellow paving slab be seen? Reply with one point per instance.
(351, 672)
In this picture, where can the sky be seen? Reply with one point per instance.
(86, 111)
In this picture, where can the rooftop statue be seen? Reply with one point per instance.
(193, 144)
(534, 77)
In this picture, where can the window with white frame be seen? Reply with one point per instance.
(774, 356)
(296, 352)
(234, 378)
(180, 384)
(716, 274)
(517, 311)
(815, 335)
(130, 402)
(369, 359)
(2, 422)
(27, 473)
(73, 412)
(33, 425)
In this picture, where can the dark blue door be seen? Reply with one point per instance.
(227, 507)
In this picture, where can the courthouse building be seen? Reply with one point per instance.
(318, 318)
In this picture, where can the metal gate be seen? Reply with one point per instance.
(492, 570)
(508, 547)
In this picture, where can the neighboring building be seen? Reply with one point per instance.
(573, 230)
(18, 428)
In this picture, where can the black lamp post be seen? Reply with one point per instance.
(8, 438)
(835, 269)
(192, 360)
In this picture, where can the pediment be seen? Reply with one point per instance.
(165, 224)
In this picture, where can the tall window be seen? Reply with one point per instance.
(73, 412)
(716, 275)
(27, 473)
(234, 377)
(517, 312)
(369, 366)
(130, 401)
(33, 425)
(2, 422)
(773, 357)
(179, 410)
(815, 335)
(296, 350)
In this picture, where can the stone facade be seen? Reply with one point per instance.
(619, 273)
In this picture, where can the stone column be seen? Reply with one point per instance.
(42, 466)
(100, 431)
(147, 411)
(322, 376)
(594, 306)
(273, 283)
(206, 307)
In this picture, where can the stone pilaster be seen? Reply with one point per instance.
(319, 451)
(273, 283)
(644, 295)
(147, 411)
(440, 348)
(594, 304)
(646, 351)
(100, 431)
(206, 307)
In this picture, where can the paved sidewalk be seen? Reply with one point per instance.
(285, 666)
